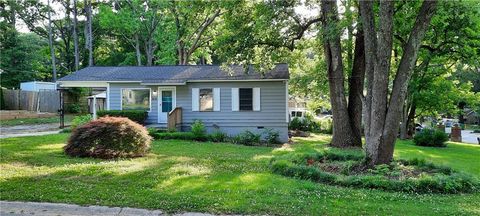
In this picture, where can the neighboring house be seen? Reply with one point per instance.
(297, 107)
(471, 117)
(231, 99)
(100, 100)
(38, 86)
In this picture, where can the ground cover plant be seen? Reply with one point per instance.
(109, 137)
(348, 169)
(180, 175)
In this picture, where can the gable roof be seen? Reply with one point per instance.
(175, 73)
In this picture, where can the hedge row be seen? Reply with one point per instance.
(138, 116)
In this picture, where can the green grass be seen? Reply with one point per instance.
(30, 121)
(216, 178)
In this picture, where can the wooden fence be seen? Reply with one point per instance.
(42, 101)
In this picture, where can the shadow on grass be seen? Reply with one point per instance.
(206, 177)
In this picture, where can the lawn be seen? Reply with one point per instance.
(216, 178)
(29, 121)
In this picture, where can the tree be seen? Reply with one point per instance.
(450, 40)
(75, 35)
(194, 21)
(343, 120)
(50, 43)
(382, 112)
(88, 31)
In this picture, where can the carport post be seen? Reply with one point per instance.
(94, 107)
(61, 110)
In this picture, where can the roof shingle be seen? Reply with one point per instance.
(174, 74)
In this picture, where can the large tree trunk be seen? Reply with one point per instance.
(137, 50)
(405, 68)
(88, 31)
(342, 129)
(50, 43)
(384, 121)
(149, 51)
(355, 83)
(75, 35)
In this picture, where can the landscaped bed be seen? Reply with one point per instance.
(217, 178)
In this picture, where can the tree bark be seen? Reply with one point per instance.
(356, 83)
(88, 31)
(50, 43)
(405, 68)
(332, 49)
(137, 50)
(75, 35)
(383, 121)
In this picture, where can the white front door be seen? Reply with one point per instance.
(166, 102)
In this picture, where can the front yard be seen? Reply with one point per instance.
(216, 178)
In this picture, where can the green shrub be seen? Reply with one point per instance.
(109, 137)
(296, 124)
(198, 130)
(80, 120)
(138, 116)
(271, 136)
(307, 123)
(247, 138)
(174, 135)
(218, 136)
(73, 108)
(439, 180)
(326, 126)
(431, 137)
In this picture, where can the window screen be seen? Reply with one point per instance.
(136, 99)
(246, 99)
(206, 100)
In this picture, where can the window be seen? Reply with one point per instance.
(206, 100)
(246, 99)
(166, 101)
(136, 99)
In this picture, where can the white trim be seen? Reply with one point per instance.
(159, 99)
(287, 112)
(235, 99)
(108, 96)
(249, 80)
(90, 83)
(149, 96)
(216, 99)
(164, 84)
(195, 99)
(256, 99)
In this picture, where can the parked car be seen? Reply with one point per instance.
(418, 127)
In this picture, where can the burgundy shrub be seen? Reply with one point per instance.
(109, 137)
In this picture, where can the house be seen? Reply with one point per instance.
(297, 107)
(100, 99)
(471, 117)
(232, 99)
(38, 86)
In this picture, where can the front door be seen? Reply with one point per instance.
(166, 102)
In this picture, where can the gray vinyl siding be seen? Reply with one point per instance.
(272, 114)
(116, 100)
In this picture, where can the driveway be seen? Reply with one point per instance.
(28, 130)
(8, 208)
(467, 136)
